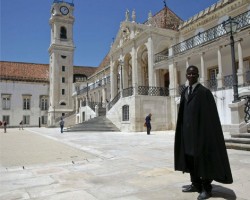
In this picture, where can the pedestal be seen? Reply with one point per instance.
(238, 124)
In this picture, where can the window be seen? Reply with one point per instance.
(63, 68)
(212, 78)
(212, 73)
(44, 103)
(63, 56)
(63, 104)
(63, 33)
(63, 91)
(26, 102)
(6, 118)
(44, 119)
(63, 79)
(26, 119)
(6, 102)
(77, 88)
(125, 113)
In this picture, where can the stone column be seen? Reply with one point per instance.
(173, 85)
(202, 72)
(220, 83)
(113, 83)
(134, 71)
(187, 62)
(104, 96)
(187, 65)
(151, 75)
(241, 78)
(121, 69)
(77, 105)
(157, 78)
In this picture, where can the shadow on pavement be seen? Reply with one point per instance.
(223, 192)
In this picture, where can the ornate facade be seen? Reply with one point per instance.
(148, 63)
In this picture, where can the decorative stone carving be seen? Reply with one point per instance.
(125, 34)
(127, 15)
(133, 16)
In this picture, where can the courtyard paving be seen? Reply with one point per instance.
(43, 164)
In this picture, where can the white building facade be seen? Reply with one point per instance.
(144, 71)
(148, 64)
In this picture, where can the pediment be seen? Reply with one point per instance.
(127, 32)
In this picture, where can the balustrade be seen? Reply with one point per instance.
(153, 91)
(212, 84)
(211, 34)
(127, 92)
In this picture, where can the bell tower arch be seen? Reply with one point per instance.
(61, 52)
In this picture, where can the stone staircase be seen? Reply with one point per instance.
(98, 124)
(239, 142)
(102, 111)
(70, 120)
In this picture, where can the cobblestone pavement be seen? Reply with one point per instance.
(43, 164)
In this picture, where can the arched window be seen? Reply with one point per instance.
(125, 113)
(63, 104)
(63, 33)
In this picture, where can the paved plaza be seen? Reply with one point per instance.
(42, 164)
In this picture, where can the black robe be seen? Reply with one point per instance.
(208, 145)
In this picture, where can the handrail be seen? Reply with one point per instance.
(95, 85)
(127, 92)
(247, 108)
(114, 101)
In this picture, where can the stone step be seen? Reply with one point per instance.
(94, 125)
(98, 124)
(91, 129)
(238, 146)
(241, 135)
(238, 140)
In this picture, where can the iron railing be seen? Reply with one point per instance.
(247, 108)
(181, 88)
(161, 56)
(82, 91)
(211, 34)
(95, 85)
(114, 101)
(153, 91)
(127, 92)
(247, 77)
(228, 81)
(212, 84)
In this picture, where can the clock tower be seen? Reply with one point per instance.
(61, 53)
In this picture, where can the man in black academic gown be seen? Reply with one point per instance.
(199, 143)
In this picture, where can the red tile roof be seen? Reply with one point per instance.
(21, 71)
(167, 19)
(24, 71)
(88, 71)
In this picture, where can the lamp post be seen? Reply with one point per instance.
(230, 27)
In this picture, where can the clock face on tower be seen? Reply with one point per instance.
(64, 10)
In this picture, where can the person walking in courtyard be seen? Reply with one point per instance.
(148, 123)
(61, 124)
(199, 143)
(5, 126)
(21, 125)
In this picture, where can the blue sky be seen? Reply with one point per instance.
(25, 30)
